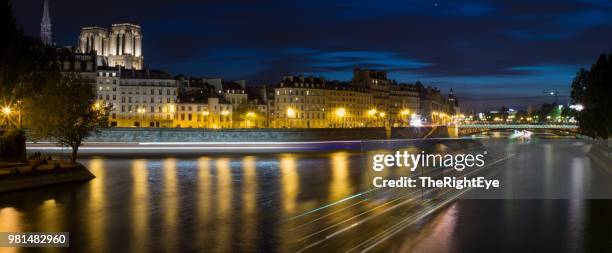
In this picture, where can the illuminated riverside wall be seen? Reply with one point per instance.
(238, 135)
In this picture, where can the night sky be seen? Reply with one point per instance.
(492, 53)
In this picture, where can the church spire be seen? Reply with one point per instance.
(45, 25)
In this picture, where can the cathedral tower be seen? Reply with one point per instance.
(45, 25)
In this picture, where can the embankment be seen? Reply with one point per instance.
(259, 135)
(27, 179)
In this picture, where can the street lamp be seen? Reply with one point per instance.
(404, 113)
(290, 114)
(6, 110)
(249, 115)
(140, 111)
(341, 112)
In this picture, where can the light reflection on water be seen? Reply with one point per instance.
(140, 213)
(95, 206)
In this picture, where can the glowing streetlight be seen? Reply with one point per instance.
(382, 114)
(205, 113)
(405, 112)
(577, 107)
(290, 112)
(250, 114)
(225, 112)
(6, 110)
(341, 112)
(372, 113)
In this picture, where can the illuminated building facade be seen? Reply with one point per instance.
(121, 46)
(137, 98)
(148, 98)
(403, 104)
(312, 102)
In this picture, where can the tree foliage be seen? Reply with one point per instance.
(593, 89)
(26, 64)
(67, 112)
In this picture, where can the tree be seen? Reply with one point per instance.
(67, 112)
(243, 113)
(579, 86)
(592, 89)
(25, 62)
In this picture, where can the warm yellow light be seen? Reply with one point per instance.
(205, 113)
(341, 112)
(382, 114)
(405, 112)
(6, 110)
(250, 114)
(372, 113)
(224, 112)
(290, 112)
(96, 105)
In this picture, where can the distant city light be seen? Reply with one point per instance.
(577, 107)
(415, 120)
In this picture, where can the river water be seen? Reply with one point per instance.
(291, 202)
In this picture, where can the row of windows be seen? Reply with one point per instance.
(141, 83)
(129, 100)
(153, 109)
(138, 91)
(202, 108)
(284, 99)
(200, 117)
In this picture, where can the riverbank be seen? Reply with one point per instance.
(21, 176)
(600, 152)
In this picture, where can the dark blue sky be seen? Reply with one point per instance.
(491, 52)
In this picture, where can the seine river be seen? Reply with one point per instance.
(313, 202)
